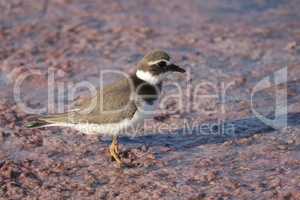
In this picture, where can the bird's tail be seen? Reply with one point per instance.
(37, 123)
(49, 120)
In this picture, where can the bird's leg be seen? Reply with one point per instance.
(117, 149)
(114, 150)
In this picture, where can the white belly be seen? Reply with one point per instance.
(144, 111)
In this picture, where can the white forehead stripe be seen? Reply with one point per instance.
(148, 77)
(158, 61)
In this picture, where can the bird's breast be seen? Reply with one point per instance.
(147, 109)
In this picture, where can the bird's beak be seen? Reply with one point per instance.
(175, 68)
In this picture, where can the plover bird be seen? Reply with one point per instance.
(118, 106)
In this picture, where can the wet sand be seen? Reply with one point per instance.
(223, 43)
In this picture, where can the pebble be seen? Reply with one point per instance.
(291, 45)
(245, 141)
(275, 182)
(282, 147)
(211, 176)
(291, 141)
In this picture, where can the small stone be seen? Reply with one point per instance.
(273, 138)
(282, 147)
(211, 176)
(219, 39)
(291, 141)
(245, 141)
(291, 45)
(257, 136)
(228, 143)
(275, 182)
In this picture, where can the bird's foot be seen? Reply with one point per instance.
(115, 155)
(115, 152)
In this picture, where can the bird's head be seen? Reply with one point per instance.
(154, 67)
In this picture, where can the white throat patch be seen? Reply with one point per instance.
(148, 77)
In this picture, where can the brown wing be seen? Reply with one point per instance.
(110, 105)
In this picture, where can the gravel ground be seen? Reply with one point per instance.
(212, 148)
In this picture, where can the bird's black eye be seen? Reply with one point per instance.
(162, 64)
